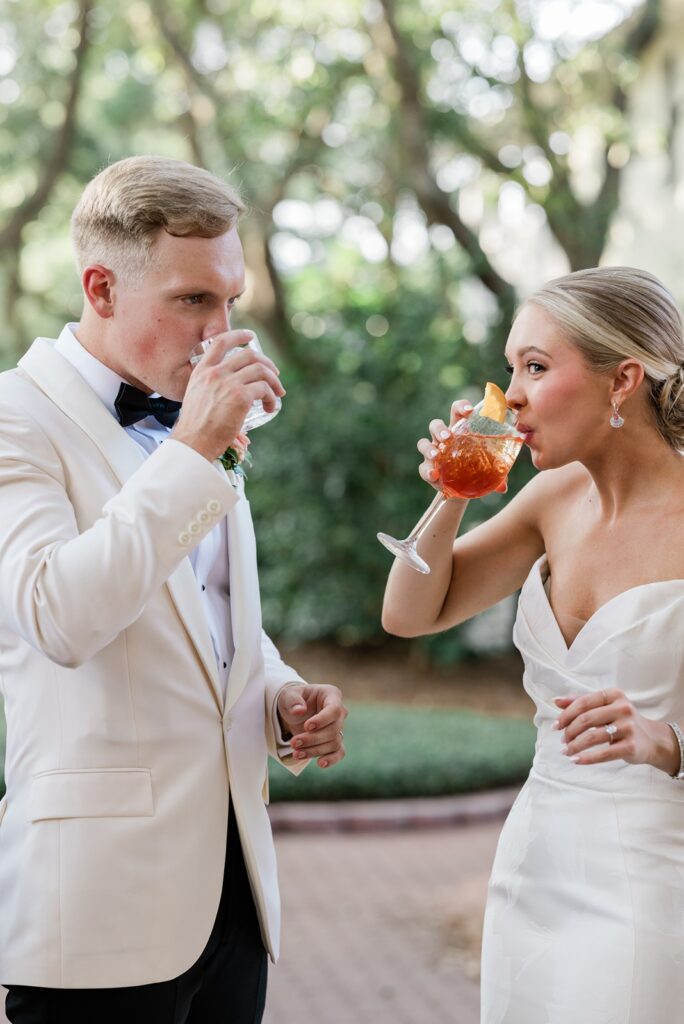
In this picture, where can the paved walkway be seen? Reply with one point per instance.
(381, 928)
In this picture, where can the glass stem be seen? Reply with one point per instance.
(425, 520)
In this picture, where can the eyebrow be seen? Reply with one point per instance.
(531, 348)
(202, 290)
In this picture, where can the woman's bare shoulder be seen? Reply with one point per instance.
(552, 488)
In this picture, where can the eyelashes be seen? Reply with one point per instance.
(534, 367)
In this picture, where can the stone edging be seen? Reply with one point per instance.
(376, 815)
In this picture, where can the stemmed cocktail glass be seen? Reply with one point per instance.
(475, 460)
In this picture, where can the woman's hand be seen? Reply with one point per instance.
(605, 726)
(439, 432)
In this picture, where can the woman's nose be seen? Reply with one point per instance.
(514, 395)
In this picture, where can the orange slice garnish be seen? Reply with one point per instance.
(494, 406)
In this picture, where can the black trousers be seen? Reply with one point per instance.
(227, 984)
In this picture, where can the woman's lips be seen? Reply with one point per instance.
(527, 431)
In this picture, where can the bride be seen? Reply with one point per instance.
(585, 916)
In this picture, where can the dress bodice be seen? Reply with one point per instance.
(633, 642)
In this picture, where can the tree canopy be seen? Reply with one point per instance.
(412, 169)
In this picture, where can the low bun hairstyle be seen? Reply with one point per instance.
(616, 313)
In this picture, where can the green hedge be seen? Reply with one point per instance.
(404, 752)
(398, 751)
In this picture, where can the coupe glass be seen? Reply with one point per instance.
(475, 460)
(256, 415)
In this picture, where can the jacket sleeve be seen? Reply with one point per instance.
(70, 593)
(278, 675)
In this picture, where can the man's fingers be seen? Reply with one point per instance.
(291, 701)
(319, 749)
(257, 373)
(220, 344)
(329, 714)
(309, 739)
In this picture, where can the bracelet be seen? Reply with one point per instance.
(680, 740)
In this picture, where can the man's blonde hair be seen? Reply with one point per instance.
(124, 207)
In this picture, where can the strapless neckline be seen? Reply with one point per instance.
(541, 574)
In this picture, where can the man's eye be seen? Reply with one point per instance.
(193, 300)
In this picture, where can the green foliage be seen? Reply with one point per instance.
(409, 752)
(340, 462)
(408, 166)
(397, 751)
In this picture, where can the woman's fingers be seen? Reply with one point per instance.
(594, 719)
(439, 430)
(428, 450)
(459, 409)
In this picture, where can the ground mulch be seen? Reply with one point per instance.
(399, 673)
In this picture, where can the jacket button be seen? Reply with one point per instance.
(202, 517)
(184, 538)
(194, 527)
(213, 506)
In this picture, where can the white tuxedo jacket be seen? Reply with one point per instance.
(121, 753)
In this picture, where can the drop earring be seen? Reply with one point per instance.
(616, 419)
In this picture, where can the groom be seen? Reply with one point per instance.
(137, 869)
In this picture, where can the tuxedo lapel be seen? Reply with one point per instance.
(58, 379)
(244, 596)
(55, 376)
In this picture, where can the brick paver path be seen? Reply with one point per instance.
(369, 926)
(369, 921)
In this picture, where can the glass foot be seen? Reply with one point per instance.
(405, 550)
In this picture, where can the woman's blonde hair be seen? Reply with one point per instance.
(124, 207)
(616, 313)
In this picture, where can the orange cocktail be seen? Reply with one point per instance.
(473, 464)
(472, 461)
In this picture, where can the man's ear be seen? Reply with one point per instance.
(98, 287)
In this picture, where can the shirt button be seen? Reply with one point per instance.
(203, 587)
(225, 664)
(213, 506)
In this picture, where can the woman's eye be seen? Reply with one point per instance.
(508, 369)
(535, 367)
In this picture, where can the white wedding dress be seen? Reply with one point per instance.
(585, 916)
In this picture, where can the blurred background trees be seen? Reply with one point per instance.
(413, 168)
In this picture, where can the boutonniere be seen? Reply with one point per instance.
(237, 455)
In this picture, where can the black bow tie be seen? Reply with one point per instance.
(132, 405)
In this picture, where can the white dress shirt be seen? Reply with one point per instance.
(210, 557)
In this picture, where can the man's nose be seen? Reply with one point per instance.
(221, 322)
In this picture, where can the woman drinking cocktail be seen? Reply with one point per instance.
(585, 918)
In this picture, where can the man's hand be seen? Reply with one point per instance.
(221, 389)
(313, 715)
